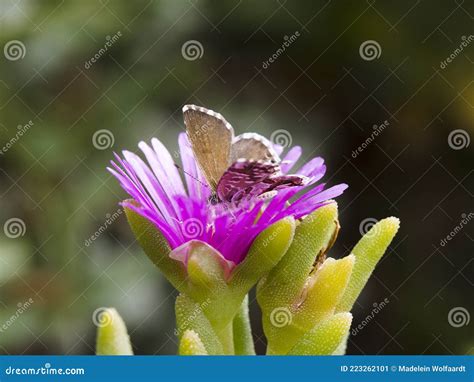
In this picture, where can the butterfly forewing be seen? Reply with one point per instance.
(211, 138)
(253, 147)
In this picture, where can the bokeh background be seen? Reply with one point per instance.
(323, 90)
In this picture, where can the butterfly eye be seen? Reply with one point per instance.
(213, 199)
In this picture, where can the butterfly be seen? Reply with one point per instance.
(235, 167)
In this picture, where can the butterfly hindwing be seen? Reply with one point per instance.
(253, 147)
(211, 138)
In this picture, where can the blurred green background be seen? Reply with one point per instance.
(320, 89)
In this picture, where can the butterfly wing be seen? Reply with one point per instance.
(246, 179)
(211, 138)
(253, 147)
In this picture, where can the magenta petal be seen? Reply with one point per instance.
(290, 159)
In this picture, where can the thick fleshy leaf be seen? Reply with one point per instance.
(325, 289)
(315, 304)
(313, 236)
(325, 338)
(280, 293)
(112, 337)
(206, 267)
(266, 251)
(341, 348)
(221, 294)
(368, 252)
(191, 344)
(190, 316)
(243, 340)
(156, 247)
(207, 286)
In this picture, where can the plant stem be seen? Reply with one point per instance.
(243, 340)
(226, 337)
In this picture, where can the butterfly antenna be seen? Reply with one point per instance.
(187, 173)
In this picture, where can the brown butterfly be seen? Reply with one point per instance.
(235, 168)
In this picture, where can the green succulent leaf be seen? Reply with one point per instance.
(191, 344)
(368, 252)
(324, 338)
(266, 251)
(316, 303)
(243, 340)
(190, 316)
(324, 290)
(341, 348)
(156, 247)
(312, 237)
(112, 337)
(282, 294)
